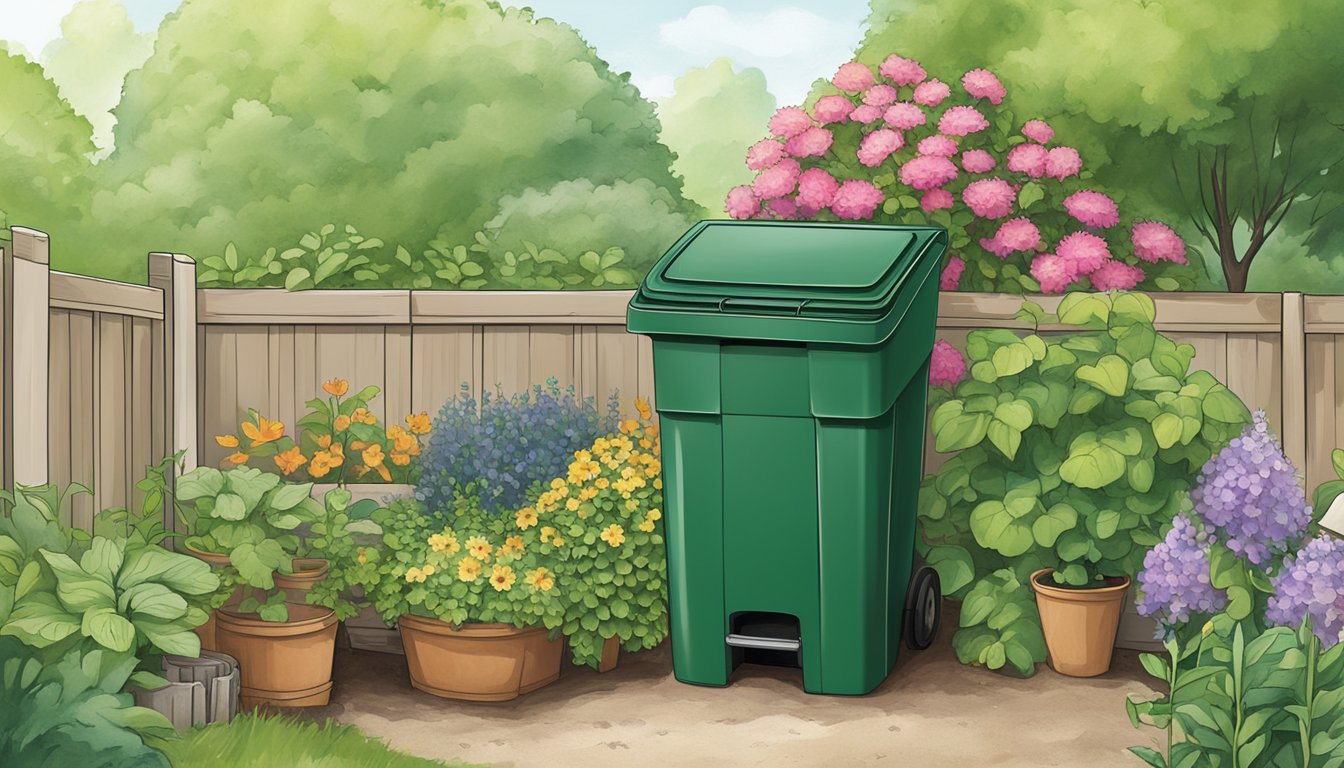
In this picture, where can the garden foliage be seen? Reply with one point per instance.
(504, 445)
(899, 147)
(583, 557)
(1074, 451)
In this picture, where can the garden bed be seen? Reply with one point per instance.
(931, 707)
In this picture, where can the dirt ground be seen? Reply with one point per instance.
(931, 711)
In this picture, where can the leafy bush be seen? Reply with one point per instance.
(586, 558)
(1021, 216)
(340, 440)
(507, 444)
(1000, 625)
(329, 259)
(1075, 449)
(1237, 697)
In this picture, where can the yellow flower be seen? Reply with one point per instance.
(395, 430)
(602, 482)
(587, 493)
(642, 406)
(323, 441)
(373, 455)
(418, 422)
(363, 558)
(546, 533)
(428, 570)
(480, 548)
(264, 431)
(558, 484)
(614, 535)
(655, 514)
(342, 423)
(401, 459)
(227, 441)
(557, 542)
(468, 569)
(320, 465)
(413, 575)
(290, 460)
(631, 505)
(646, 526)
(628, 426)
(445, 543)
(404, 442)
(336, 387)
(363, 416)
(502, 578)
(645, 443)
(525, 518)
(658, 483)
(337, 454)
(236, 458)
(514, 542)
(572, 505)
(583, 456)
(539, 578)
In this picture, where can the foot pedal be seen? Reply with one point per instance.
(763, 643)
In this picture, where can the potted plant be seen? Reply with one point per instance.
(1074, 452)
(478, 613)
(341, 443)
(281, 548)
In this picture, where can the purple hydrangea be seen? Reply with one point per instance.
(1250, 495)
(507, 444)
(1175, 576)
(1311, 584)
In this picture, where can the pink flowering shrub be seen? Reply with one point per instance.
(893, 145)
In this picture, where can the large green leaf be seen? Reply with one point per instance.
(1091, 464)
(109, 629)
(198, 483)
(1047, 528)
(1012, 359)
(104, 556)
(39, 620)
(250, 484)
(154, 600)
(171, 638)
(996, 528)
(258, 563)
(230, 506)
(12, 559)
(289, 495)
(1084, 309)
(1222, 405)
(79, 591)
(955, 430)
(1166, 429)
(954, 565)
(181, 573)
(1110, 375)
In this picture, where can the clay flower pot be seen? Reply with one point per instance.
(478, 662)
(283, 663)
(307, 573)
(1079, 624)
(611, 653)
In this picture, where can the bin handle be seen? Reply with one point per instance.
(763, 305)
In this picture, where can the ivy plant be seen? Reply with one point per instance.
(1076, 443)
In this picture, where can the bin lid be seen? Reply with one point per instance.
(819, 281)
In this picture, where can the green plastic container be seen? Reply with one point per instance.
(790, 365)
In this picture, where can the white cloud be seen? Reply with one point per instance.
(32, 24)
(793, 46)
(781, 33)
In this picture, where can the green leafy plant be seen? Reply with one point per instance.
(1075, 449)
(334, 537)
(1237, 699)
(72, 712)
(1000, 628)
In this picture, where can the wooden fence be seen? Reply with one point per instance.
(101, 378)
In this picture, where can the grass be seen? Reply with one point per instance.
(279, 742)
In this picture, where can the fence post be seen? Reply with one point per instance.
(27, 328)
(1294, 385)
(175, 275)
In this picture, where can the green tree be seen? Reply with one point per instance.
(89, 61)
(1228, 112)
(713, 115)
(407, 119)
(44, 150)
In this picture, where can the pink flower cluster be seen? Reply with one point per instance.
(1018, 197)
(946, 366)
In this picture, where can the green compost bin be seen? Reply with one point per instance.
(790, 364)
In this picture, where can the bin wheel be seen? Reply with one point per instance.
(923, 609)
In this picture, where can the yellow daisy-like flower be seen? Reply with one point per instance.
(655, 514)
(583, 456)
(468, 569)
(413, 575)
(658, 483)
(587, 493)
(614, 535)
(428, 570)
(572, 505)
(444, 543)
(645, 443)
(502, 578)
(557, 484)
(525, 518)
(602, 482)
(646, 526)
(418, 422)
(546, 533)
(557, 542)
(480, 548)
(539, 578)
(514, 542)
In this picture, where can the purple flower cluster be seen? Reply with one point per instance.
(507, 444)
(1249, 494)
(1175, 576)
(1311, 584)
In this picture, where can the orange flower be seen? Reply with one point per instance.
(373, 455)
(320, 465)
(629, 425)
(404, 442)
(383, 473)
(236, 458)
(290, 460)
(342, 423)
(418, 422)
(337, 454)
(336, 387)
(401, 459)
(228, 441)
(323, 441)
(363, 416)
(264, 431)
(642, 406)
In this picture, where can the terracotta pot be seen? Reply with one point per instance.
(308, 572)
(283, 663)
(478, 662)
(1080, 624)
(611, 653)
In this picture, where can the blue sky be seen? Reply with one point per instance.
(793, 43)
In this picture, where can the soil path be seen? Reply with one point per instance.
(931, 711)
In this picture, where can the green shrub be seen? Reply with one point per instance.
(1076, 450)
